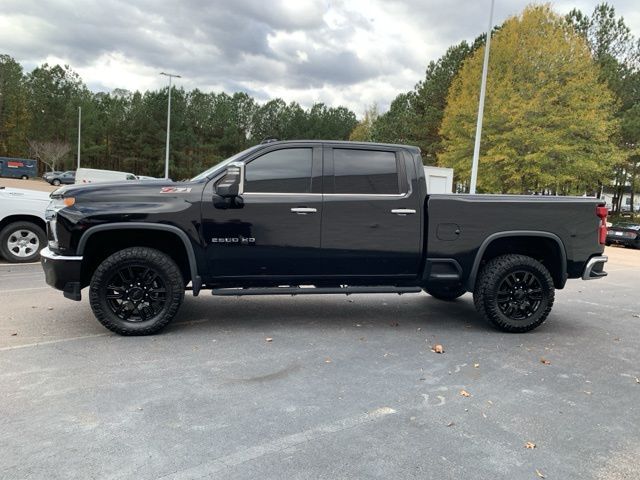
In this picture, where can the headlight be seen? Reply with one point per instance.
(57, 204)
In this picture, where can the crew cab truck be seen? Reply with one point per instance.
(315, 217)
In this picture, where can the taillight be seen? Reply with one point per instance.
(602, 212)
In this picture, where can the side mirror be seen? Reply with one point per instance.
(231, 184)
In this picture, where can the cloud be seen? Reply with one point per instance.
(341, 52)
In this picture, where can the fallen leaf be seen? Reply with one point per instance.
(15, 334)
(530, 445)
(464, 393)
(545, 361)
(476, 365)
(437, 348)
(489, 402)
(450, 424)
(484, 415)
(268, 339)
(49, 308)
(327, 360)
(637, 315)
(637, 380)
(617, 339)
(467, 326)
(540, 474)
(394, 324)
(587, 392)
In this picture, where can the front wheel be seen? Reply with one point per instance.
(136, 291)
(55, 182)
(21, 242)
(514, 293)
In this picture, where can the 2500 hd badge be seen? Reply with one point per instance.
(332, 217)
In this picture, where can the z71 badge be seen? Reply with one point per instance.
(175, 190)
(234, 240)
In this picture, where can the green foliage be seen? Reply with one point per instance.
(617, 52)
(549, 119)
(126, 131)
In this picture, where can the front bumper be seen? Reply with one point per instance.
(595, 268)
(62, 272)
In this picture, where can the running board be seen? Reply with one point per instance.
(311, 290)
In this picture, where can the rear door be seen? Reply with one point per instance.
(371, 220)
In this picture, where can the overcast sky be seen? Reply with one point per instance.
(341, 52)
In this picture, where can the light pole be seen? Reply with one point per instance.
(166, 152)
(483, 89)
(79, 131)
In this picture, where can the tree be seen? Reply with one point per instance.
(49, 153)
(363, 130)
(548, 120)
(14, 114)
(617, 52)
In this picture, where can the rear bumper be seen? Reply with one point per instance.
(595, 268)
(62, 272)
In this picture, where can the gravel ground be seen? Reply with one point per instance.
(347, 387)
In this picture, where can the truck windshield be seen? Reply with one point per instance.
(220, 166)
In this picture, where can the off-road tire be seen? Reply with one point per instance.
(136, 257)
(7, 231)
(492, 276)
(445, 292)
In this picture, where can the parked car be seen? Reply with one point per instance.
(22, 224)
(624, 233)
(94, 175)
(23, 168)
(316, 217)
(60, 178)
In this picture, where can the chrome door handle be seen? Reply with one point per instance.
(303, 210)
(403, 211)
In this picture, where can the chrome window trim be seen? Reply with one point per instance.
(393, 195)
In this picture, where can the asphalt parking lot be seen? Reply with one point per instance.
(347, 387)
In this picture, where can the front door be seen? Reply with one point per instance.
(276, 230)
(372, 221)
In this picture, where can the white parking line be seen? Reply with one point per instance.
(18, 264)
(18, 290)
(204, 470)
(61, 340)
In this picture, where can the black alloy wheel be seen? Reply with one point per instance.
(514, 293)
(136, 293)
(519, 295)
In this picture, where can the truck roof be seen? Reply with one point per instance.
(345, 142)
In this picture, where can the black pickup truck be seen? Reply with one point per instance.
(313, 217)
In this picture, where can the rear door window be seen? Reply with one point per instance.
(365, 172)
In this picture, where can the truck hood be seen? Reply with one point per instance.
(24, 194)
(128, 191)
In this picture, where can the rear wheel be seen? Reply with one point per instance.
(514, 293)
(24, 177)
(21, 242)
(445, 292)
(136, 291)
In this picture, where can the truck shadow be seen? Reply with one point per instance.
(330, 311)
